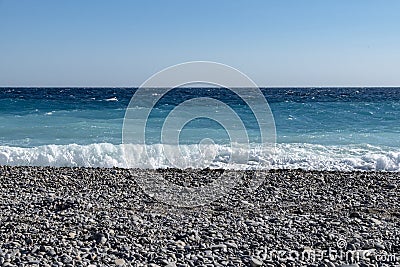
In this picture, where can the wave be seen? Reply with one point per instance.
(94, 155)
(112, 99)
(286, 156)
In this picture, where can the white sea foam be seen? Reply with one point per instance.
(286, 156)
(112, 99)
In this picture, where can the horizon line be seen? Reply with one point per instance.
(131, 87)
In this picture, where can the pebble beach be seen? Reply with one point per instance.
(100, 217)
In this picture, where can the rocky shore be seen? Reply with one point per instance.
(101, 217)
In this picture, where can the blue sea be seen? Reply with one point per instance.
(316, 128)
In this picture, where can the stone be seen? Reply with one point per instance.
(255, 262)
(379, 246)
(355, 215)
(225, 232)
(120, 262)
(375, 221)
(72, 235)
(392, 186)
(231, 245)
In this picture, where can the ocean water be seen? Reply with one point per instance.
(316, 128)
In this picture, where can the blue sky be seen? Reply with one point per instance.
(276, 43)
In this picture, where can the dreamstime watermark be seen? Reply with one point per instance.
(148, 96)
(338, 253)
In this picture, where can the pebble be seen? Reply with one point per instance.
(95, 217)
(231, 245)
(255, 262)
(72, 235)
(376, 221)
(392, 186)
(120, 262)
(355, 215)
(379, 246)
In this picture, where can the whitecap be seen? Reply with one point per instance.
(112, 99)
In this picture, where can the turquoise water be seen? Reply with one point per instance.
(316, 128)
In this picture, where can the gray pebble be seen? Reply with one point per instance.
(255, 262)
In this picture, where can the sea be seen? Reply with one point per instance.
(336, 129)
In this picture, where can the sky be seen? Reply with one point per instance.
(280, 43)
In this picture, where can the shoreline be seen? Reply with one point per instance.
(358, 171)
(76, 216)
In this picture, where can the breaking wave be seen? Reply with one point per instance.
(286, 156)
